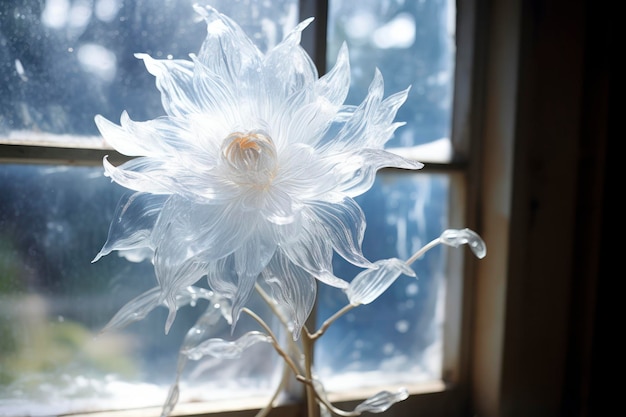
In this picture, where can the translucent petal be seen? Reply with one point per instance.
(227, 50)
(341, 221)
(356, 128)
(138, 254)
(213, 94)
(335, 84)
(456, 238)
(370, 125)
(161, 136)
(158, 176)
(118, 138)
(278, 206)
(304, 174)
(311, 112)
(210, 232)
(287, 68)
(250, 260)
(223, 349)
(143, 174)
(190, 296)
(203, 326)
(371, 283)
(222, 277)
(174, 79)
(136, 309)
(174, 277)
(254, 256)
(139, 307)
(181, 157)
(190, 179)
(314, 254)
(356, 172)
(195, 335)
(381, 402)
(293, 37)
(132, 223)
(293, 290)
(381, 125)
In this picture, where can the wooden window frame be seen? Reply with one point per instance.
(531, 129)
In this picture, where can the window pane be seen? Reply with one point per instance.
(412, 43)
(54, 302)
(398, 337)
(62, 61)
(53, 220)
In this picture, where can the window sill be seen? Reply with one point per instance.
(243, 407)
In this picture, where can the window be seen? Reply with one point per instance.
(64, 61)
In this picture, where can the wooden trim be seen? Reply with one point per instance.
(32, 154)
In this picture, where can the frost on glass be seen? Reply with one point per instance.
(250, 179)
(62, 61)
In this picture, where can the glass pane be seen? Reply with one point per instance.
(412, 43)
(54, 302)
(64, 61)
(61, 63)
(398, 337)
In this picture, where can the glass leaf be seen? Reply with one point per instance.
(224, 349)
(382, 401)
(456, 238)
(371, 283)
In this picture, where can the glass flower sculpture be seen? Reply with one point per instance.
(248, 182)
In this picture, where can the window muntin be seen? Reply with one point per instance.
(62, 116)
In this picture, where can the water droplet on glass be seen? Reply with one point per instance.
(402, 326)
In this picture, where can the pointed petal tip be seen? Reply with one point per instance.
(204, 10)
(171, 316)
(306, 22)
(103, 252)
(101, 122)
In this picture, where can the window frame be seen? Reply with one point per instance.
(468, 300)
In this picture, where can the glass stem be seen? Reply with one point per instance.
(330, 321)
(423, 250)
(311, 397)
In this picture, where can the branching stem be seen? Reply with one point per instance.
(275, 343)
(423, 250)
(328, 404)
(330, 321)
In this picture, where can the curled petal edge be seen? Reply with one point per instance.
(456, 238)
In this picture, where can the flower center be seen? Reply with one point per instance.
(252, 156)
